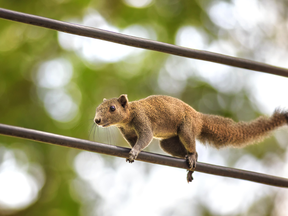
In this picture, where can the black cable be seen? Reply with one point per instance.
(140, 42)
(143, 156)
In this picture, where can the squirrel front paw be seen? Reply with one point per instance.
(132, 156)
(191, 159)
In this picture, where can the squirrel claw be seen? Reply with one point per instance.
(132, 156)
(129, 160)
(191, 159)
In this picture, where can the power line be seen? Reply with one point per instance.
(140, 42)
(143, 156)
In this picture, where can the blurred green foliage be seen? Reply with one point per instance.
(23, 48)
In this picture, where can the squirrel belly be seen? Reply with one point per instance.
(177, 125)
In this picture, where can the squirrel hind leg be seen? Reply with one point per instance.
(174, 147)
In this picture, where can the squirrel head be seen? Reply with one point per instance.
(113, 111)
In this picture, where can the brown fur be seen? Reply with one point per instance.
(177, 125)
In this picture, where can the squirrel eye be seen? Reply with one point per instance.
(112, 108)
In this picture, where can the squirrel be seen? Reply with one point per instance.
(177, 125)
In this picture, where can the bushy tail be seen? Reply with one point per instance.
(220, 132)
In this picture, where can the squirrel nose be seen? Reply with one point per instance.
(97, 121)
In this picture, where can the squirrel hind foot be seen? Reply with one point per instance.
(191, 159)
(189, 176)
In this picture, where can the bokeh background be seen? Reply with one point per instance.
(53, 81)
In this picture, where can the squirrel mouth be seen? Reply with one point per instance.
(103, 125)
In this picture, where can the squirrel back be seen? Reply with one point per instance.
(165, 115)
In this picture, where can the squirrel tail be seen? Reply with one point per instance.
(220, 132)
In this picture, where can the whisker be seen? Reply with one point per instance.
(91, 129)
(94, 132)
(109, 136)
(113, 135)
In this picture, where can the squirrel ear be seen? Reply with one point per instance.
(104, 99)
(123, 100)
